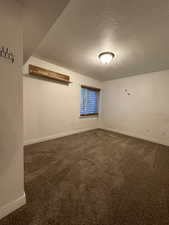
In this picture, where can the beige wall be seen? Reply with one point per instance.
(11, 151)
(144, 113)
(51, 109)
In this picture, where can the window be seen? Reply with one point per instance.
(89, 101)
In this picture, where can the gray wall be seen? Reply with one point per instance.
(138, 106)
(11, 151)
(51, 109)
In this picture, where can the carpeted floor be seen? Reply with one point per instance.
(95, 178)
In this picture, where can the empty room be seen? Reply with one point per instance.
(84, 109)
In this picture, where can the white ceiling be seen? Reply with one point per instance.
(38, 17)
(136, 31)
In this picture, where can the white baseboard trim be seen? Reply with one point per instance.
(12, 206)
(63, 134)
(135, 136)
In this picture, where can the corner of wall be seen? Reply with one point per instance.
(12, 206)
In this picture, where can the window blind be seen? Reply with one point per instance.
(88, 101)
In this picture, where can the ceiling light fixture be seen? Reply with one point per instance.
(106, 57)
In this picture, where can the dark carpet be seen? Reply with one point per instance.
(95, 178)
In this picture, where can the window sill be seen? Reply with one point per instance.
(89, 115)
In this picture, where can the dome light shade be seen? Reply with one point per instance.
(106, 57)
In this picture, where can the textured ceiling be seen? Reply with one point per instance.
(38, 17)
(136, 31)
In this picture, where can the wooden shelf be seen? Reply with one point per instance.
(38, 71)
